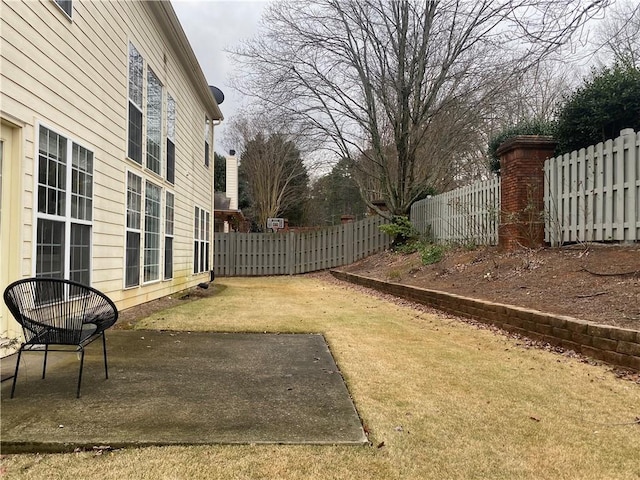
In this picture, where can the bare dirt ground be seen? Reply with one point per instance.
(595, 282)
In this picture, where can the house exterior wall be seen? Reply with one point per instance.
(70, 75)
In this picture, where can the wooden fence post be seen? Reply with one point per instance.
(522, 191)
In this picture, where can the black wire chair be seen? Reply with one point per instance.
(59, 313)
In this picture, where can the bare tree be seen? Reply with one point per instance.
(536, 94)
(271, 164)
(618, 35)
(380, 79)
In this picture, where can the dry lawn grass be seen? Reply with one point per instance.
(440, 399)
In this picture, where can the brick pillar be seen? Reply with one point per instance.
(522, 190)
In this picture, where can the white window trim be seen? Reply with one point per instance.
(67, 219)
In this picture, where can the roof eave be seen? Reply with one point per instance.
(168, 19)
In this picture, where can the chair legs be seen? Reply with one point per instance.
(15, 374)
(106, 370)
(44, 363)
(104, 349)
(44, 366)
(80, 374)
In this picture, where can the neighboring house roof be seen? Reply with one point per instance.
(223, 211)
(169, 22)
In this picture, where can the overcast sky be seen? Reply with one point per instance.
(211, 26)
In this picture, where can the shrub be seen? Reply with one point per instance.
(606, 103)
(401, 230)
(432, 253)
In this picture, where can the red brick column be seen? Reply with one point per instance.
(522, 190)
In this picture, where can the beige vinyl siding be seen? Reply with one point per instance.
(71, 76)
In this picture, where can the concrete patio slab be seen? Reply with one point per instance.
(174, 388)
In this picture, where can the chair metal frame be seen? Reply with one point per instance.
(59, 313)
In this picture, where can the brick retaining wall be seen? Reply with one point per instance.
(617, 346)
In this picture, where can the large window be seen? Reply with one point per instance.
(154, 123)
(168, 236)
(64, 208)
(134, 224)
(201, 240)
(134, 143)
(152, 215)
(153, 149)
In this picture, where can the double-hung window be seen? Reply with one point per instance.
(143, 230)
(201, 240)
(134, 229)
(64, 208)
(152, 215)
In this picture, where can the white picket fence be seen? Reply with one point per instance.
(465, 215)
(590, 195)
(594, 194)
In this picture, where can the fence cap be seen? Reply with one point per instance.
(527, 141)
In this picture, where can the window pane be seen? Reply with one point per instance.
(168, 257)
(196, 257)
(65, 5)
(136, 65)
(196, 224)
(171, 162)
(50, 249)
(52, 174)
(80, 268)
(134, 151)
(82, 183)
(132, 267)
(171, 118)
(168, 219)
(134, 201)
(207, 140)
(152, 233)
(154, 122)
